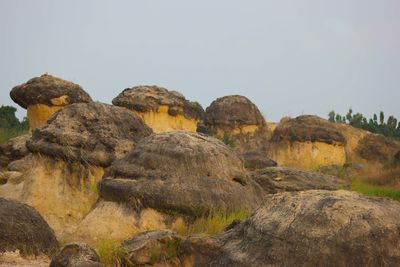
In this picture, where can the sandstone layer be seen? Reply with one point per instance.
(161, 109)
(42, 96)
(307, 142)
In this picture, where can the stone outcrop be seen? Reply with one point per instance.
(309, 228)
(161, 109)
(254, 160)
(76, 255)
(238, 121)
(378, 148)
(281, 179)
(69, 155)
(180, 173)
(44, 95)
(13, 149)
(22, 228)
(307, 142)
(92, 133)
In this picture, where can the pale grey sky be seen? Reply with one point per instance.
(289, 57)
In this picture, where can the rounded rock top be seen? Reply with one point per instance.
(49, 90)
(233, 111)
(145, 98)
(308, 128)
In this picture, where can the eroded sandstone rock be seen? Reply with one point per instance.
(307, 142)
(23, 228)
(183, 172)
(161, 109)
(76, 255)
(238, 121)
(13, 149)
(309, 228)
(44, 95)
(281, 179)
(69, 155)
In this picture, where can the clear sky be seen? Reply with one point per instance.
(289, 57)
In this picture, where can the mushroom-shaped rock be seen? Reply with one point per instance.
(76, 255)
(378, 148)
(161, 109)
(22, 228)
(69, 155)
(181, 171)
(307, 142)
(281, 179)
(44, 95)
(307, 228)
(237, 121)
(92, 133)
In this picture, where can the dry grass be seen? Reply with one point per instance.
(112, 253)
(213, 223)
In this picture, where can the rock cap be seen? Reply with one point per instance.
(49, 90)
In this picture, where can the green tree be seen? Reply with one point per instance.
(8, 118)
(332, 116)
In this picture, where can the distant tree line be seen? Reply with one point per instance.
(10, 125)
(390, 127)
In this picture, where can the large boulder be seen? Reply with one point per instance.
(92, 133)
(183, 172)
(76, 255)
(163, 110)
(378, 148)
(69, 155)
(44, 95)
(237, 121)
(22, 228)
(308, 228)
(280, 179)
(307, 142)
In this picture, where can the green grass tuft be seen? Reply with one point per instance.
(112, 253)
(373, 190)
(213, 223)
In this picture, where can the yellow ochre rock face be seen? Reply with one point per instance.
(38, 114)
(244, 129)
(160, 121)
(308, 155)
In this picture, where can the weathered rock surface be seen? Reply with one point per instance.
(161, 109)
(76, 255)
(237, 121)
(231, 112)
(378, 148)
(254, 160)
(91, 133)
(280, 179)
(48, 90)
(309, 228)
(307, 142)
(42, 96)
(13, 149)
(68, 158)
(183, 172)
(22, 228)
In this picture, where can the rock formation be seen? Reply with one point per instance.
(44, 95)
(378, 148)
(161, 109)
(22, 228)
(76, 255)
(310, 228)
(307, 142)
(282, 179)
(238, 121)
(13, 149)
(69, 155)
(179, 173)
